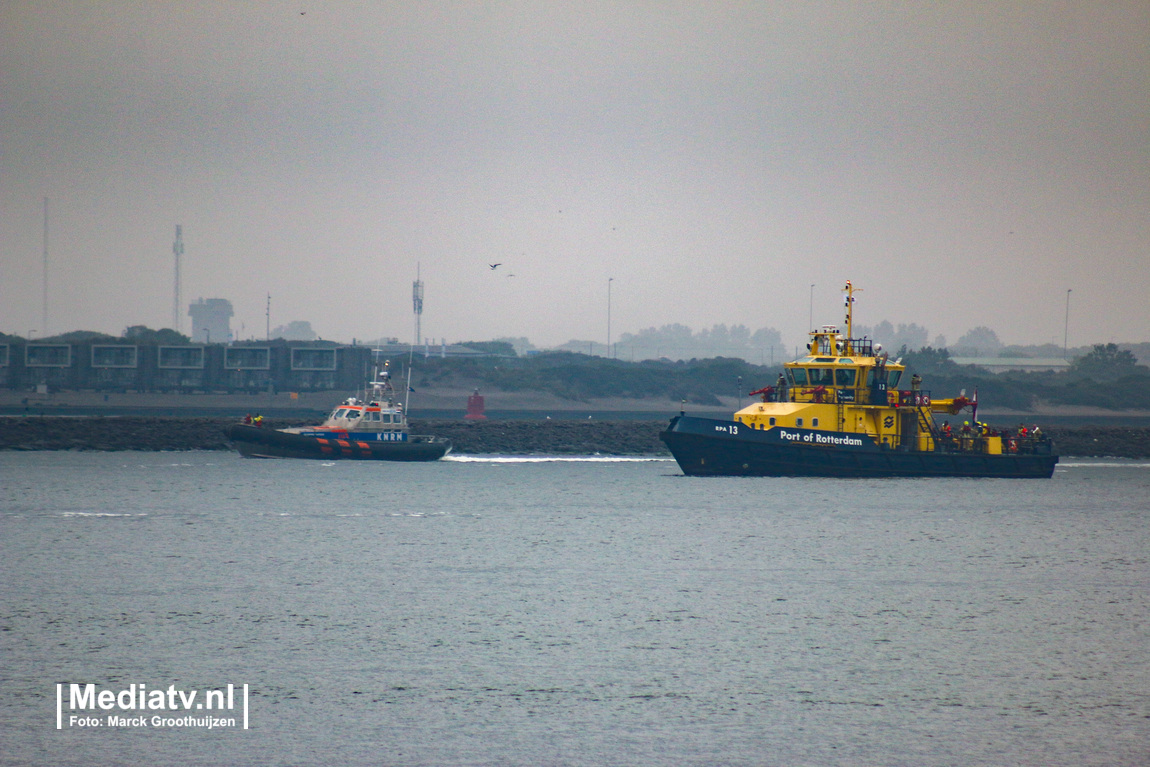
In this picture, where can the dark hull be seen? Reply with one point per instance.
(705, 447)
(254, 442)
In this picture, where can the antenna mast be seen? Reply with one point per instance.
(417, 303)
(849, 300)
(177, 251)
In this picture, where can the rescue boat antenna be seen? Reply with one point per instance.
(407, 394)
(417, 305)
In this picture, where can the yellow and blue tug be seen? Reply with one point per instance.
(839, 411)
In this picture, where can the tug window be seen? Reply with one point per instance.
(892, 378)
(814, 423)
(798, 376)
(799, 423)
(772, 421)
(845, 377)
(822, 376)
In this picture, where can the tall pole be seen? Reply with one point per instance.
(268, 318)
(811, 310)
(417, 305)
(44, 316)
(609, 281)
(177, 251)
(1066, 324)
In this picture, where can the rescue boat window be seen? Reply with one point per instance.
(341, 413)
(845, 377)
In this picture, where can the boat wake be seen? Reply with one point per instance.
(1103, 464)
(554, 459)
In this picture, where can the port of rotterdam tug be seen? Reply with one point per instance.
(839, 412)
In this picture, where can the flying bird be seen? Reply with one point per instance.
(495, 266)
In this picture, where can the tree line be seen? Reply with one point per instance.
(1106, 377)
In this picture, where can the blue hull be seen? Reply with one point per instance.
(255, 442)
(705, 447)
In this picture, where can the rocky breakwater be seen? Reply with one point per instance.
(543, 437)
(517, 437)
(1102, 441)
(549, 437)
(112, 433)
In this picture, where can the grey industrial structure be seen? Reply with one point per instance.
(276, 366)
(211, 319)
(251, 367)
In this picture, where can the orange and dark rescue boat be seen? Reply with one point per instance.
(371, 429)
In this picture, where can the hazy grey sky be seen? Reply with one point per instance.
(964, 163)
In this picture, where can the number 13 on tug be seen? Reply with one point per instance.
(839, 412)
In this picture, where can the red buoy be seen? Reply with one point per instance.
(475, 407)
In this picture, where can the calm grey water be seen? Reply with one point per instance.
(510, 612)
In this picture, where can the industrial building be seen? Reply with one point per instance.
(275, 366)
(211, 320)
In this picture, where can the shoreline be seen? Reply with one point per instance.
(431, 404)
(576, 435)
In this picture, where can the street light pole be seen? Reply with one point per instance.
(1066, 324)
(609, 281)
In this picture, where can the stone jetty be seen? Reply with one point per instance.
(514, 437)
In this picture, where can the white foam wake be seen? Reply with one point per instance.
(554, 459)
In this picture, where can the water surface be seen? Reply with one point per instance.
(507, 611)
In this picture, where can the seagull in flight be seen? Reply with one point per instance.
(495, 266)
